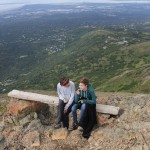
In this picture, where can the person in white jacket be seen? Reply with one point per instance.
(66, 93)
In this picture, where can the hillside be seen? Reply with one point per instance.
(99, 56)
(136, 79)
(110, 63)
(109, 46)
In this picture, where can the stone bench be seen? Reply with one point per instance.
(53, 100)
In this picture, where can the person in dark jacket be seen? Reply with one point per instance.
(85, 99)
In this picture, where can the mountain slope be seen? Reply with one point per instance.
(111, 62)
(137, 80)
(98, 55)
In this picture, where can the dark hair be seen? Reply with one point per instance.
(64, 81)
(84, 81)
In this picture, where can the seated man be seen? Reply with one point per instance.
(66, 92)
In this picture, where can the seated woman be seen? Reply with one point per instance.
(85, 99)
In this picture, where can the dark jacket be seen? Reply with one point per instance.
(88, 96)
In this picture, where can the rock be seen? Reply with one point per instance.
(126, 126)
(44, 120)
(137, 109)
(18, 128)
(148, 103)
(2, 126)
(145, 147)
(1, 138)
(31, 139)
(27, 119)
(51, 146)
(96, 135)
(146, 135)
(22, 108)
(130, 130)
(74, 138)
(139, 126)
(9, 119)
(48, 132)
(103, 101)
(60, 134)
(102, 119)
(12, 136)
(139, 147)
(34, 125)
(35, 115)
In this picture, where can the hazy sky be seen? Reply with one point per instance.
(60, 1)
(13, 4)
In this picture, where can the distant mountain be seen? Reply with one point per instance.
(108, 46)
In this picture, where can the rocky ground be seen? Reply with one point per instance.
(130, 130)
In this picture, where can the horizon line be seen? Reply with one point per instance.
(115, 1)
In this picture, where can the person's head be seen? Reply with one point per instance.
(83, 84)
(64, 81)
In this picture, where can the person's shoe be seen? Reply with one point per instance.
(74, 127)
(57, 126)
(87, 135)
(80, 128)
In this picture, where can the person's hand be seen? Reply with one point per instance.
(81, 101)
(66, 100)
(65, 110)
(78, 92)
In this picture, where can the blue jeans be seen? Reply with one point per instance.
(74, 112)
